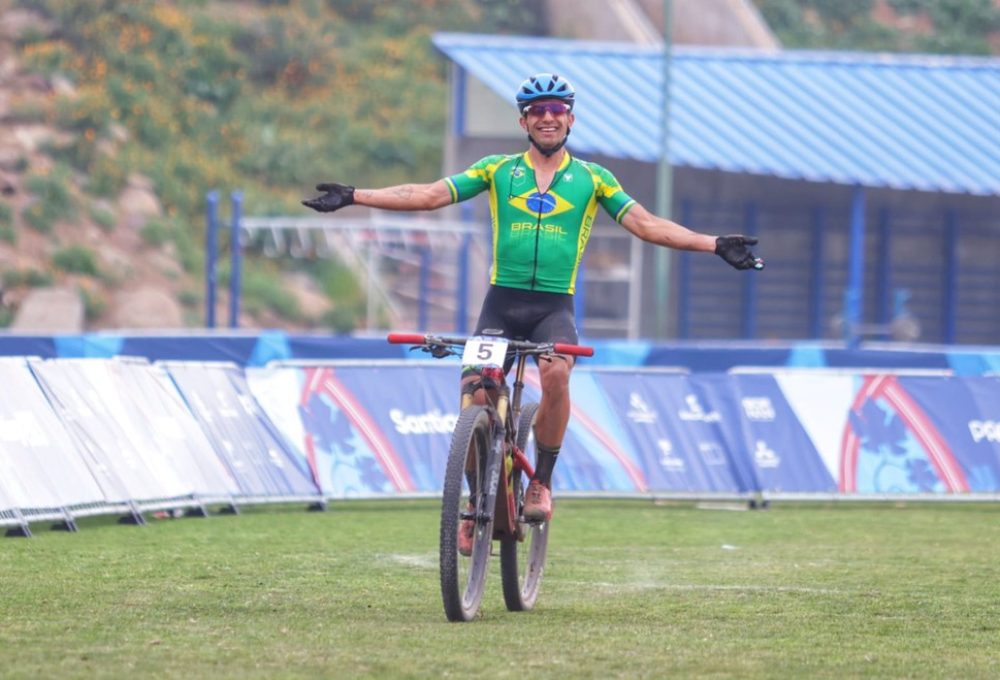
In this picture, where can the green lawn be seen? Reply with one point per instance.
(632, 589)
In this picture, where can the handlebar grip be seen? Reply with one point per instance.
(406, 338)
(575, 350)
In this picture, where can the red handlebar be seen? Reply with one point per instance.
(407, 338)
(575, 350)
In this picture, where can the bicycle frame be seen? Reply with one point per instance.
(507, 407)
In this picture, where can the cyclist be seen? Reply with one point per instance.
(542, 204)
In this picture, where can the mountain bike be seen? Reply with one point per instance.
(488, 471)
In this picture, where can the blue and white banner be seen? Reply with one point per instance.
(783, 456)
(385, 428)
(255, 454)
(105, 433)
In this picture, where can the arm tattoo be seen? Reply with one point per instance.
(405, 191)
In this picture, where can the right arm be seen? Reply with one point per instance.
(406, 196)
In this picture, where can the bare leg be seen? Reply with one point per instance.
(553, 411)
(553, 414)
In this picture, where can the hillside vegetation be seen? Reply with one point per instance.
(931, 26)
(179, 97)
(117, 116)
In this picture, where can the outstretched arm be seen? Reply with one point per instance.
(406, 196)
(402, 197)
(662, 232)
(733, 249)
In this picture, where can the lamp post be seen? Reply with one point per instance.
(664, 181)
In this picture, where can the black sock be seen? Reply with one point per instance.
(545, 463)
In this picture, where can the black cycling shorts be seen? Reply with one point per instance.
(530, 315)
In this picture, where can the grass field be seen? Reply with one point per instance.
(632, 589)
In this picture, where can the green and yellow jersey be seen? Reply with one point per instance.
(539, 239)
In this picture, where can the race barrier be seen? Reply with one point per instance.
(384, 429)
(43, 475)
(89, 436)
(260, 463)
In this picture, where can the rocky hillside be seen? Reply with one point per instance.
(84, 257)
(117, 117)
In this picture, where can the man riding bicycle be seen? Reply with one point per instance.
(542, 203)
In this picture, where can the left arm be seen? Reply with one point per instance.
(653, 229)
(733, 249)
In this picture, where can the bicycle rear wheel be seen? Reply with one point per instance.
(522, 561)
(467, 496)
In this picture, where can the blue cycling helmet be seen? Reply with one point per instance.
(544, 86)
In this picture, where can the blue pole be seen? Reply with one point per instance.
(818, 260)
(749, 321)
(950, 301)
(883, 281)
(236, 254)
(458, 102)
(211, 253)
(854, 295)
(684, 279)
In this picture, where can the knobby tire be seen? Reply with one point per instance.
(463, 578)
(522, 562)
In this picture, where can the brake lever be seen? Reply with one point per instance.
(436, 351)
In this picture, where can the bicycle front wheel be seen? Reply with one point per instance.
(467, 506)
(522, 560)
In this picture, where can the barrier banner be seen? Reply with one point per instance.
(386, 428)
(364, 430)
(671, 433)
(596, 452)
(957, 421)
(781, 452)
(889, 434)
(92, 398)
(40, 467)
(254, 452)
(175, 433)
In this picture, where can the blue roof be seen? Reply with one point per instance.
(919, 122)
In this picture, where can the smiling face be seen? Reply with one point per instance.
(547, 121)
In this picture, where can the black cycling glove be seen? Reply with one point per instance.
(335, 197)
(733, 249)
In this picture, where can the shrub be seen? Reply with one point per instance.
(106, 176)
(156, 232)
(36, 217)
(103, 217)
(28, 277)
(76, 260)
(94, 304)
(53, 199)
(7, 231)
(263, 290)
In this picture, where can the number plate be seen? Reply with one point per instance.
(484, 352)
